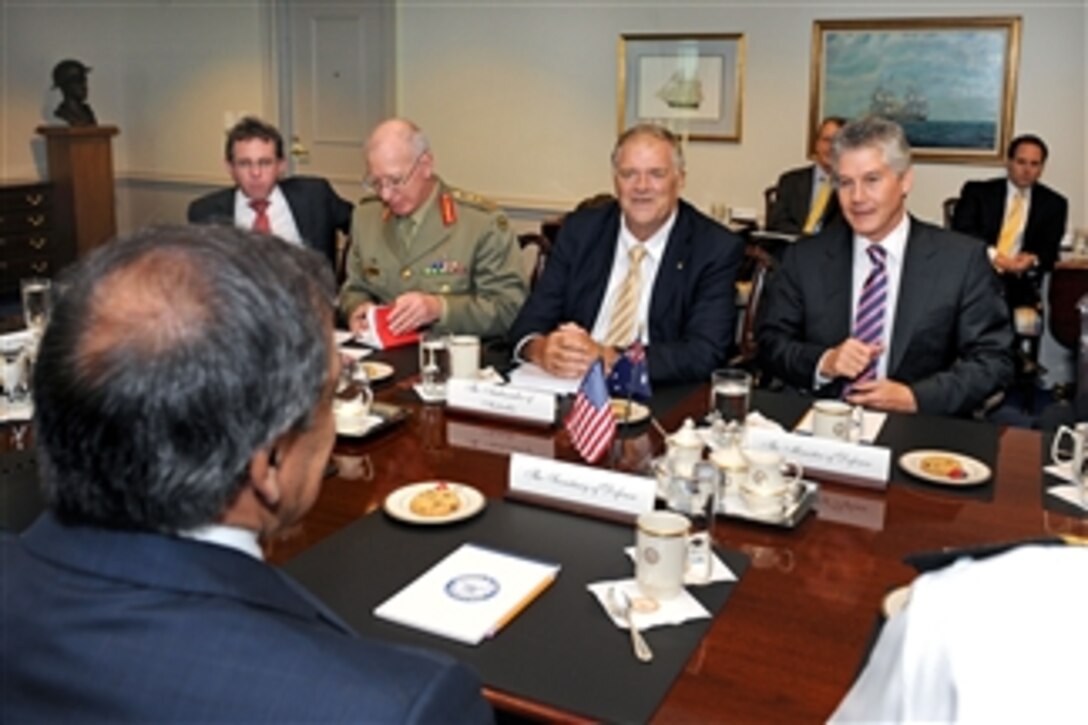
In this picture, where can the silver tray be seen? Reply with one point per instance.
(733, 506)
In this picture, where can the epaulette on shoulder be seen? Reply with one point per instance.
(471, 199)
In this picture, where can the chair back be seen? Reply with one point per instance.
(770, 198)
(746, 339)
(1068, 284)
(948, 210)
(535, 248)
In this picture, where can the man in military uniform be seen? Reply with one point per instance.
(440, 256)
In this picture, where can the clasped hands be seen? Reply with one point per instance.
(568, 351)
(411, 311)
(848, 360)
(1016, 264)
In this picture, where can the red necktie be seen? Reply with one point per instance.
(261, 223)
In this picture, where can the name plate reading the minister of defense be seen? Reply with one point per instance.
(503, 401)
(596, 488)
(851, 463)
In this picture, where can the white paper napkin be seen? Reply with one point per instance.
(871, 423)
(437, 397)
(11, 412)
(673, 611)
(1063, 471)
(356, 353)
(1070, 494)
(719, 572)
(756, 419)
(342, 336)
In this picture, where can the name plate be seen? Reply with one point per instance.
(582, 485)
(505, 401)
(862, 465)
(493, 440)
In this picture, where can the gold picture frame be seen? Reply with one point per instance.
(950, 82)
(691, 83)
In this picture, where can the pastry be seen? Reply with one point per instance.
(943, 466)
(434, 502)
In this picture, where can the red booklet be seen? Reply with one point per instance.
(378, 333)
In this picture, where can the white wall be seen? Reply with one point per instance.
(519, 98)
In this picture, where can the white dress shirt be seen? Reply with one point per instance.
(1000, 640)
(895, 244)
(621, 262)
(232, 537)
(279, 215)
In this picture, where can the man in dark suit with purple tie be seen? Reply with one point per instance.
(934, 338)
(183, 400)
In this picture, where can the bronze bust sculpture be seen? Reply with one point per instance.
(70, 76)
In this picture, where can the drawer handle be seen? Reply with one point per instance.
(37, 242)
(37, 220)
(34, 199)
(39, 267)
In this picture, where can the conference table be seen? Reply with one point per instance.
(797, 626)
(795, 629)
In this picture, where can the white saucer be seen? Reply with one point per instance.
(358, 427)
(398, 503)
(377, 371)
(896, 600)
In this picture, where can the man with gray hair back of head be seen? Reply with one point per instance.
(887, 311)
(183, 414)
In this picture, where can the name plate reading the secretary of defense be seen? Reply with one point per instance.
(850, 463)
(580, 486)
(504, 401)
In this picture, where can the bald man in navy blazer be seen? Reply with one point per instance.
(686, 314)
(183, 416)
(945, 340)
(302, 209)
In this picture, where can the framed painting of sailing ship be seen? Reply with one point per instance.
(691, 84)
(949, 82)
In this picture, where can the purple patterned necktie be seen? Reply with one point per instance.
(869, 318)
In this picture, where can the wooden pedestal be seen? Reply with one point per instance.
(81, 168)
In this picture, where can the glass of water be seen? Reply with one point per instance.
(37, 295)
(730, 393)
(434, 363)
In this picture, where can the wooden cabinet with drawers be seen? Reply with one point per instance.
(33, 237)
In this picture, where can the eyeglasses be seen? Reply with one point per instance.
(247, 164)
(392, 183)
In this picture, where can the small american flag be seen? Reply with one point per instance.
(591, 422)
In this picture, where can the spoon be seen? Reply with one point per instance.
(619, 604)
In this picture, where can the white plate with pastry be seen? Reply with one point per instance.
(946, 468)
(434, 502)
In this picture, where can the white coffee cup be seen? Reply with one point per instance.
(1074, 453)
(352, 414)
(765, 472)
(464, 356)
(661, 545)
(835, 419)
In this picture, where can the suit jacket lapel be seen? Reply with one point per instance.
(916, 280)
(596, 269)
(300, 210)
(838, 277)
(669, 282)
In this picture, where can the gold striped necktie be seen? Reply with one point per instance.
(1013, 221)
(625, 312)
(819, 204)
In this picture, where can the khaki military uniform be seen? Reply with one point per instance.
(463, 251)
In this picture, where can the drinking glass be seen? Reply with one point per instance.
(694, 493)
(730, 392)
(14, 373)
(434, 363)
(37, 302)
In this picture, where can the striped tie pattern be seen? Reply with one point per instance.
(869, 318)
(1011, 227)
(625, 313)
